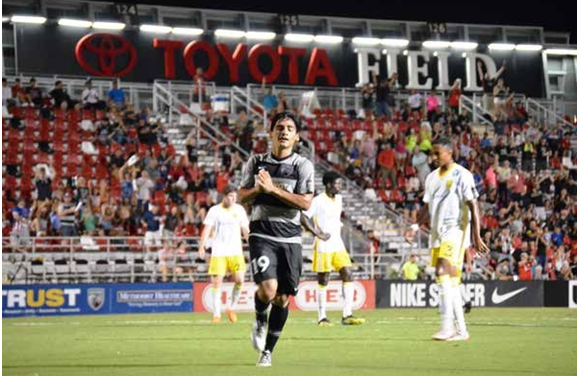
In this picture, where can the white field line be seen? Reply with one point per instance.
(519, 321)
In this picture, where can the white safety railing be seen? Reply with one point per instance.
(90, 259)
(477, 111)
(545, 113)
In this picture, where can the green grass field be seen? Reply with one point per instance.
(393, 342)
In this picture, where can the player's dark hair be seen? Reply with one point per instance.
(228, 189)
(445, 142)
(330, 177)
(282, 116)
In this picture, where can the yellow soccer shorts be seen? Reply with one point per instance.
(219, 265)
(451, 250)
(327, 262)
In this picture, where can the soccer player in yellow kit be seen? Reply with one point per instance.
(229, 223)
(450, 203)
(323, 220)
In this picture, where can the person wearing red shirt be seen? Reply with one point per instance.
(525, 268)
(386, 161)
(454, 98)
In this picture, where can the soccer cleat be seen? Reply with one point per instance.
(351, 320)
(443, 335)
(460, 337)
(325, 322)
(258, 336)
(467, 307)
(264, 359)
(216, 320)
(232, 315)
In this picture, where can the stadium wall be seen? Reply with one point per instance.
(82, 299)
(228, 62)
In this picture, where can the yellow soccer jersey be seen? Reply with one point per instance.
(447, 196)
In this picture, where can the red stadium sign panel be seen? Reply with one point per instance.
(306, 299)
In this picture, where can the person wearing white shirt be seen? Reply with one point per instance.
(229, 223)
(323, 220)
(90, 97)
(450, 201)
(415, 101)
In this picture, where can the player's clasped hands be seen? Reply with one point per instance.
(264, 181)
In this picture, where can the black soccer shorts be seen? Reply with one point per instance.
(275, 260)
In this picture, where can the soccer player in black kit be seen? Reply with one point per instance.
(279, 185)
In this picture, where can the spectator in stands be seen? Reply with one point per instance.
(387, 164)
(60, 97)
(152, 223)
(19, 94)
(43, 184)
(525, 268)
(504, 174)
(384, 97)
(367, 92)
(432, 102)
(488, 83)
(172, 221)
(67, 215)
(368, 153)
(269, 98)
(411, 141)
(503, 271)
(90, 97)
(6, 94)
(454, 96)
(20, 235)
(166, 260)
(420, 163)
(88, 220)
(145, 187)
(500, 93)
(410, 270)
(34, 93)
(199, 87)
(415, 102)
(116, 96)
(282, 104)
(373, 245)
(542, 155)
(410, 199)
(41, 220)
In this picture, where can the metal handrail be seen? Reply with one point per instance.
(548, 114)
(175, 102)
(249, 100)
(475, 109)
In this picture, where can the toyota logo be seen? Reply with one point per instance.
(106, 50)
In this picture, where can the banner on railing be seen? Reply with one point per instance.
(86, 299)
(305, 300)
(424, 294)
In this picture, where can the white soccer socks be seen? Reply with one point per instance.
(446, 308)
(457, 309)
(216, 295)
(321, 302)
(348, 292)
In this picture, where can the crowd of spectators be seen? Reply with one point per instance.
(525, 171)
(128, 181)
